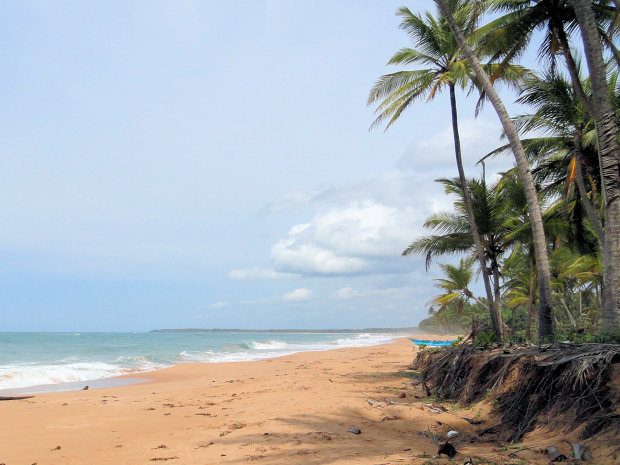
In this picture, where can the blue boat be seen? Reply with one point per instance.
(432, 343)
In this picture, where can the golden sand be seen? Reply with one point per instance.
(290, 410)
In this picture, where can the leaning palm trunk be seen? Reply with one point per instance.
(593, 215)
(609, 160)
(545, 328)
(530, 301)
(574, 72)
(497, 295)
(470, 295)
(496, 319)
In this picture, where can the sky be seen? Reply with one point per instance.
(209, 164)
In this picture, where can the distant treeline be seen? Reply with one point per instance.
(317, 331)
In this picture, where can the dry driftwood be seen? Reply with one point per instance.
(15, 397)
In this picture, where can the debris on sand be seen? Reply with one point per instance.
(447, 449)
(554, 455)
(15, 398)
(579, 451)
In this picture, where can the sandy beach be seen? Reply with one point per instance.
(295, 410)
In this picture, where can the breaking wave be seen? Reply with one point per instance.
(87, 362)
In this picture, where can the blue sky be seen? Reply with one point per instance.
(209, 164)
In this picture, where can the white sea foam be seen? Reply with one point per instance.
(271, 345)
(365, 339)
(76, 368)
(17, 376)
(195, 356)
(256, 350)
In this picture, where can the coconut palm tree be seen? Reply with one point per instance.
(520, 282)
(494, 217)
(442, 67)
(455, 286)
(545, 308)
(609, 161)
(508, 36)
(567, 147)
(568, 151)
(584, 274)
(597, 20)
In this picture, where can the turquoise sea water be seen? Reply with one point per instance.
(34, 359)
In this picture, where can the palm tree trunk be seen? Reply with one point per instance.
(609, 162)
(590, 210)
(497, 293)
(545, 325)
(571, 319)
(496, 324)
(470, 295)
(530, 303)
(574, 72)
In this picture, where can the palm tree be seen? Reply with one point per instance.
(567, 150)
(509, 35)
(567, 147)
(545, 328)
(455, 286)
(520, 282)
(563, 116)
(583, 275)
(609, 161)
(440, 55)
(492, 215)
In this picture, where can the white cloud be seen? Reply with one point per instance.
(347, 293)
(358, 238)
(436, 152)
(258, 273)
(290, 200)
(219, 304)
(396, 187)
(256, 301)
(298, 295)
(361, 228)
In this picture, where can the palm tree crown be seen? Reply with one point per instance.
(437, 52)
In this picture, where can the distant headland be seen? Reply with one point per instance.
(317, 331)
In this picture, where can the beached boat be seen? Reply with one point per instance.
(432, 343)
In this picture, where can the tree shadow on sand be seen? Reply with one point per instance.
(325, 439)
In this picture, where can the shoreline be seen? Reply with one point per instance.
(137, 376)
(87, 384)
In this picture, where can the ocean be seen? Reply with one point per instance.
(54, 361)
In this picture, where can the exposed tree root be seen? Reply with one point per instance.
(553, 385)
